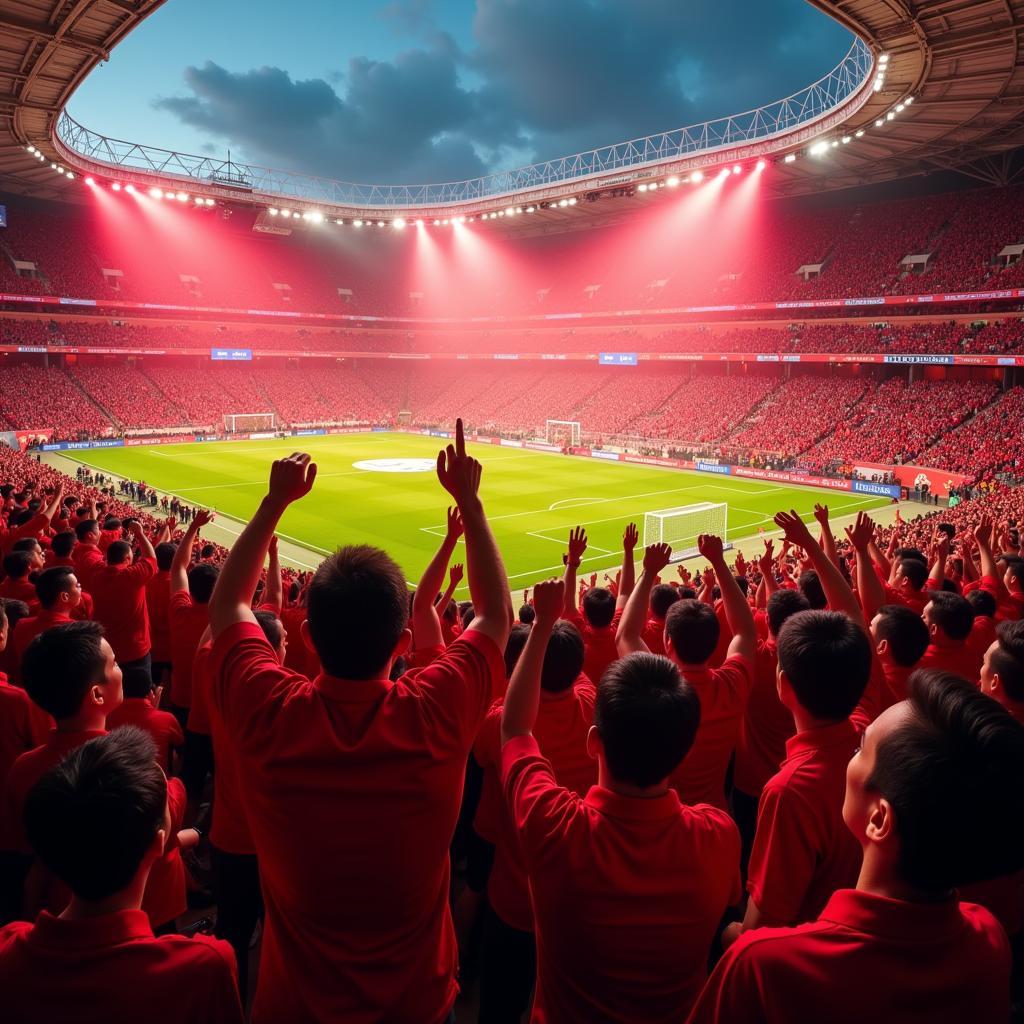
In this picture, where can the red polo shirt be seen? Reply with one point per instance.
(23, 727)
(111, 968)
(803, 852)
(158, 603)
(86, 558)
(700, 779)
(20, 590)
(598, 644)
(161, 725)
(959, 658)
(28, 629)
(563, 721)
(189, 620)
(866, 958)
(352, 792)
(119, 595)
(1009, 607)
(894, 688)
(767, 724)
(298, 656)
(913, 599)
(653, 634)
(627, 893)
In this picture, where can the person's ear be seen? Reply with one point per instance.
(881, 824)
(882, 648)
(593, 743)
(306, 638)
(403, 645)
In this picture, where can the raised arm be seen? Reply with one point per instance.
(940, 553)
(737, 611)
(459, 474)
(828, 541)
(572, 558)
(522, 699)
(145, 547)
(51, 510)
(274, 594)
(183, 556)
(290, 479)
(426, 626)
(627, 576)
(629, 636)
(166, 531)
(455, 575)
(766, 565)
(983, 535)
(869, 587)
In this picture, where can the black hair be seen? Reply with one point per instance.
(958, 749)
(93, 817)
(810, 586)
(53, 582)
(693, 628)
(111, 523)
(358, 607)
(1015, 565)
(563, 659)
(27, 544)
(952, 613)
(982, 602)
(947, 528)
(527, 614)
(663, 596)
(201, 580)
(905, 631)
(781, 605)
(61, 663)
(914, 553)
(118, 552)
(647, 716)
(1008, 658)
(916, 572)
(686, 593)
(63, 543)
(15, 611)
(599, 607)
(514, 646)
(85, 528)
(207, 551)
(271, 625)
(826, 658)
(165, 555)
(17, 564)
(743, 583)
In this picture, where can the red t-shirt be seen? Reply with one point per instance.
(111, 968)
(352, 792)
(1009, 607)
(23, 727)
(563, 721)
(866, 958)
(598, 644)
(161, 725)
(86, 558)
(20, 590)
(158, 603)
(298, 657)
(803, 852)
(700, 779)
(653, 635)
(767, 724)
(894, 687)
(627, 893)
(912, 599)
(959, 658)
(983, 635)
(189, 620)
(28, 629)
(119, 596)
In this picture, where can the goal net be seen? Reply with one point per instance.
(249, 422)
(680, 527)
(564, 433)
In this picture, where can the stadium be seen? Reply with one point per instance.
(567, 525)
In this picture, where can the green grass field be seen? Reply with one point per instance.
(532, 498)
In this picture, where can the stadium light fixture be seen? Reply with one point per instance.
(737, 169)
(316, 217)
(182, 197)
(156, 193)
(211, 202)
(116, 186)
(672, 181)
(71, 177)
(883, 58)
(572, 199)
(510, 212)
(531, 209)
(563, 202)
(31, 149)
(818, 148)
(273, 211)
(339, 222)
(900, 108)
(761, 165)
(436, 223)
(790, 158)
(879, 123)
(846, 140)
(653, 187)
(859, 134)
(519, 209)
(90, 182)
(891, 116)
(642, 187)
(380, 223)
(357, 223)
(398, 223)
(908, 101)
(697, 177)
(130, 189)
(419, 223)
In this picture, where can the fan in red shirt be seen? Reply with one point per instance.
(61, 547)
(158, 606)
(140, 708)
(86, 554)
(950, 618)
(59, 594)
(99, 822)
(628, 884)
(1004, 582)
(352, 781)
(921, 763)
(16, 584)
(691, 636)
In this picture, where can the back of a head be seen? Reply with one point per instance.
(514, 645)
(1015, 566)
(17, 564)
(358, 608)
(598, 607)
(905, 632)
(982, 602)
(563, 659)
(781, 605)
(663, 596)
(271, 625)
(60, 665)
(201, 580)
(92, 819)
(28, 544)
(118, 552)
(1007, 660)
(165, 555)
(915, 553)
(63, 543)
(51, 583)
(527, 614)
(947, 528)
(693, 629)
(207, 551)
(14, 612)
(647, 717)
(810, 586)
(826, 658)
(914, 572)
(85, 529)
(111, 523)
(951, 613)
(957, 750)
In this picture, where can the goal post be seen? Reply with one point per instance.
(249, 422)
(680, 527)
(564, 433)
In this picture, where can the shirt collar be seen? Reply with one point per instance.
(824, 737)
(893, 919)
(91, 932)
(65, 742)
(634, 808)
(352, 691)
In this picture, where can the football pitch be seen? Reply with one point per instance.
(381, 489)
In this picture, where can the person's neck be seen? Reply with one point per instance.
(878, 879)
(129, 898)
(805, 721)
(84, 721)
(605, 781)
(945, 642)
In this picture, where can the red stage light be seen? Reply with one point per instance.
(90, 181)
(116, 186)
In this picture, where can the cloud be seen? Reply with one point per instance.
(540, 80)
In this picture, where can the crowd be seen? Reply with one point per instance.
(782, 788)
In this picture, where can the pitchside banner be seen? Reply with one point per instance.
(939, 481)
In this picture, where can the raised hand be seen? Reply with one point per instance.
(710, 547)
(577, 544)
(821, 514)
(458, 472)
(983, 532)
(204, 516)
(656, 557)
(455, 528)
(861, 533)
(630, 537)
(794, 529)
(291, 478)
(548, 599)
(455, 574)
(764, 563)
(273, 544)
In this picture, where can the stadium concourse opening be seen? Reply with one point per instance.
(589, 591)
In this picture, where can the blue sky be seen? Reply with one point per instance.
(436, 90)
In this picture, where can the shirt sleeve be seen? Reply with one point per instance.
(732, 995)
(737, 674)
(143, 570)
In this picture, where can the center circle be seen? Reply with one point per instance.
(396, 465)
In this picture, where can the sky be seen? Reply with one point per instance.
(409, 91)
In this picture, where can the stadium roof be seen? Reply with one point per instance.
(934, 85)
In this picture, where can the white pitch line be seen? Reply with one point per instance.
(561, 540)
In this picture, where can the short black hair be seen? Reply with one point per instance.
(947, 528)
(118, 552)
(781, 605)
(952, 613)
(647, 716)
(916, 572)
(17, 564)
(112, 523)
(563, 659)
(85, 527)
(693, 628)
(165, 555)
(207, 551)
(63, 543)
(527, 614)
(92, 818)
(982, 602)
(905, 631)
(28, 544)
(1008, 658)
(599, 607)
(915, 553)
(271, 625)
(743, 583)
(201, 580)
(53, 582)
(810, 586)
(1015, 565)
(958, 749)
(826, 657)
(663, 596)
(514, 645)
(60, 665)
(686, 593)
(15, 611)
(357, 609)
